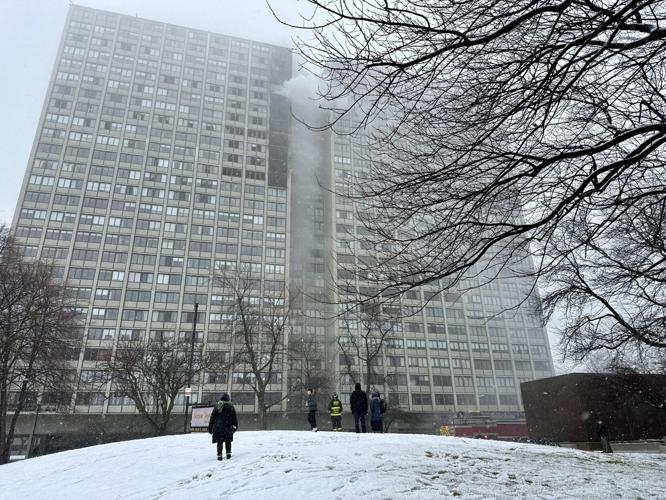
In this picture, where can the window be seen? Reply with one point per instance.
(85, 255)
(139, 277)
(135, 315)
(444, 399)
(442, 381)
(103, 313)
(418, 361)
(196, 280)
(168, 279)
(41, 180)
(130, 334)
(421, 399)
(79, 273)
(462, 381)
(419, 380)
(483, 364)
(165, 316)
(137, 296)
(466, 399)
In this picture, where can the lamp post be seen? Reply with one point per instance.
(32, 434)
(188, 389)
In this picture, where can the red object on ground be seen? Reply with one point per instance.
(505, 431)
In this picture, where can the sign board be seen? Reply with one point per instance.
(200, 417)
(188, 391)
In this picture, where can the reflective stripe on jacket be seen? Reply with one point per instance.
(335, 407)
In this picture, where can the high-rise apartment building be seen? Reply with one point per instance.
(164, 154)
(466, 349)
(160, 155)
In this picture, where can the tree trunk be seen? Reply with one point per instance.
(4, 443)
(161, 428)
(261, 409)
(11, 429)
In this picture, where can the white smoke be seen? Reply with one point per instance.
(301, 89)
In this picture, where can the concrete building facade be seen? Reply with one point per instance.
(160, 156)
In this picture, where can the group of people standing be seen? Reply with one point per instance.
(360, 406)
(223, 421)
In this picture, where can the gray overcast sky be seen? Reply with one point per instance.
(29, 35)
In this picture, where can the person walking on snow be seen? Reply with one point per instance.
(222, 425)
(604, 437)
(377, 410)
(335, 409)
(359, 407)
(311, 405)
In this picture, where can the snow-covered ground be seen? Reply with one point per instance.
(294, 465)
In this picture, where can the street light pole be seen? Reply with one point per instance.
(189, 370)
(32, 434)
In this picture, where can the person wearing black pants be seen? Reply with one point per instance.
(311, 405)
(359, 407)
(604, 437)
(335, 409)
(222, 425)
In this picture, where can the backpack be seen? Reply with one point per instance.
(383, 406)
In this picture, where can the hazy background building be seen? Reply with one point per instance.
(463, 350)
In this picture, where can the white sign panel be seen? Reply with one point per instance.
(200, 417)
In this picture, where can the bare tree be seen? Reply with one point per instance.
(153, 373)
(259, 323)
(36, 323)
(501, 128)
(636, 371)
(368, 328)
(612, 285)
(307, 369)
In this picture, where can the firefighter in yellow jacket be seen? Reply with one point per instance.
(335, 408)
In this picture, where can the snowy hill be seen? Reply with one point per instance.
(325, 465)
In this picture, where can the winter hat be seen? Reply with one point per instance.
(224, 397)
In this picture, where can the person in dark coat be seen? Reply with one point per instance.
(335, 409)
(604, 437)
(359, 407)
(377, 409)
(222, 425)
(311, 405)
